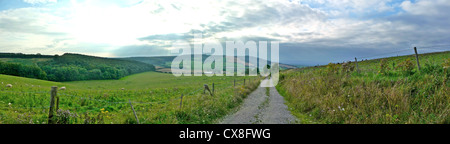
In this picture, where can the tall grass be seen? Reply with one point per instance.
(386, 91)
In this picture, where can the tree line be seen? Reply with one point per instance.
(74, 67)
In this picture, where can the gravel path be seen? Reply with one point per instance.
(260, 108)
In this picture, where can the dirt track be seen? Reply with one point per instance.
(260, 108)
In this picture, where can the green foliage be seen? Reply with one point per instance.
(398, 96)
(74, 67)
(347, 67)
(406, 66)
(65, 117)
(446, 64)
(384, 68)
(70, 67)
(22, 70)
(333, 68)
(104, 101)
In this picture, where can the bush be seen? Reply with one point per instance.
(406, 66)
(65, 117)
(347, 67)
(333, 68)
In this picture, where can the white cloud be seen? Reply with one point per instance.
(40, 1)
(426, 7)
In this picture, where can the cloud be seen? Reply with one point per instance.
(39, 1)
(140, 50)
(308, 30)
(426, 7)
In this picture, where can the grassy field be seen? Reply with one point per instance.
(155, 97)
(385, 91)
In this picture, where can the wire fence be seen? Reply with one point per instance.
(403, 52)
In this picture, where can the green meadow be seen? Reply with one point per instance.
(155, 97)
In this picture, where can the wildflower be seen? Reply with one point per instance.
(103, 109)
(9, 104)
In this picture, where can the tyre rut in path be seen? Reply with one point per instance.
(260, 108)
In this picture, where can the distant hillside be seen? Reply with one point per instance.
(163, 63)
(69, 67)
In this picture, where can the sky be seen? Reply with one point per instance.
(310, 32)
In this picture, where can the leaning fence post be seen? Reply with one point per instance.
(137, 120)
(356, 61)
(417, 58)
(52, 104)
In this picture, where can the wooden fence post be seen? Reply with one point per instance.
(357, 69)
(137, 120)
(181, 101)
(213, 88)
(52, 104)
(417, 58)
(57, 103)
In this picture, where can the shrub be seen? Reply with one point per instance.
(333, 68)
(347, 67)
(65, 117)
(406, 66)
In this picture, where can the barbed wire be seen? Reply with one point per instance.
(382, 54)
(108, 101)
(435, 46)
(431, 48)
(43, 107)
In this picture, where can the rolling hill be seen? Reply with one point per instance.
(163, 63)
(69, 67)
